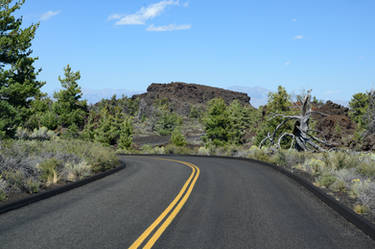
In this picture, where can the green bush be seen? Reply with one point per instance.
(293, 157)
(15, 179)
(3, 195)
(48, 170)
(172, 149)
(102, 158)
(314, 166)
(32, 185)
(340, 160)
(338, 186)
(41, 134)
(326, 180)
(126, 134)
(77, 171)
(49, 119)
(280, 158)
(3, 189)
(367, 169)
(22, 133)
(258, 154)
(158, 150)
(177, 138)
(167, 122)
(146, 149)
(203, 151)
(195, 112)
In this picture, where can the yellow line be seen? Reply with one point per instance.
(148, 231)
(170, 218)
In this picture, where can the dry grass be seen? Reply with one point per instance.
(28, 165)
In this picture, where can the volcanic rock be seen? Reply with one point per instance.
(181, 96)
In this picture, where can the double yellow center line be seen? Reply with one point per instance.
(177, 204)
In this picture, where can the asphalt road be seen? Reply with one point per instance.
(233, 204)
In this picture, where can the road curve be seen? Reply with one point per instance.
(233, 204)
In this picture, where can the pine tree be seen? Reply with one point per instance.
(358, 108)
(216, 123)
(126, 134)
(241, 120)
(68, 106)
(18, 84)
(278, 103)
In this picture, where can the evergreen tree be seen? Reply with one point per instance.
(126, 134)
(167, 120)
(108, 130)
(358, 108)
(68, 106)
(278, 103)
(241, 120)
(18, 84)
(42, 114)
(216, 123)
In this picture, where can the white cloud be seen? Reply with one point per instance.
(49, 14)
(144, 14)
(114, 17)
(185, 4)
(170, 27)
(294, 19)
(298, 37)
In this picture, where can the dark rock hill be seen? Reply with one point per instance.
(336, 127)
(181, 96)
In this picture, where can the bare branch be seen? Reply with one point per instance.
(282, 136)
(322, 141)
(301, 138)
(315, 146)
(278, 127)
(311, 130)
(265, 139)
(275, 115)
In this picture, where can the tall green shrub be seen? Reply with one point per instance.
(126, 134)
(216, 123)
(178, 138)
(358, 108)
(68, 106)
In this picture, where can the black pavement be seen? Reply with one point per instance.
(234, 204)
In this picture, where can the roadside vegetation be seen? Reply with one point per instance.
(50, 140)
(32, 165)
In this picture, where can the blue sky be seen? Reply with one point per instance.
(324, 45)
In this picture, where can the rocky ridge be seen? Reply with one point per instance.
(182, 96)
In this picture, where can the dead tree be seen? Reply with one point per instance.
(302, 139)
